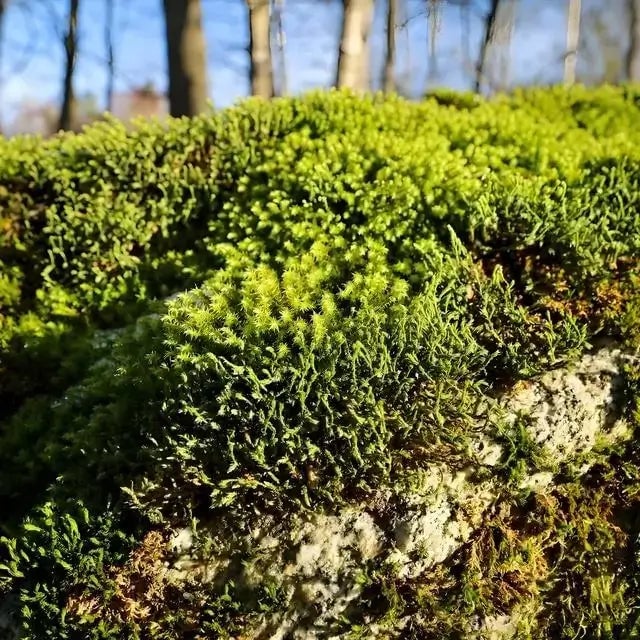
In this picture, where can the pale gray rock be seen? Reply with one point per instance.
(319, 560)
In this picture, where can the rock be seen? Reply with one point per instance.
(500, 627)
(430, 531)
(569, 408)
(319, 560)
(181, 541)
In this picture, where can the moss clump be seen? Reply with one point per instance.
(363, 272)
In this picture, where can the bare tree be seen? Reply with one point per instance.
(2, 8)
(280, 84)
(71, 51)
(489, 34)
(602, 50)
(187, 60)
(573, 38)
(433, 19)
(465, 34)
(506, 21)
(260, 48)
(633, 54)
(389, 78)
(353, 58)
(404, 75)
(108, 41)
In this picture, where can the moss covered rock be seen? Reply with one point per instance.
(329, 366)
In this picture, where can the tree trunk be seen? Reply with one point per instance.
(633, 55)
(573, 37)
(108, 36)
(353, 58)
(365, 60)
(404, 85)
(187, 58)
(389, 79)
(433, 19)
(505, 26)
(280, 87)
(260, 48)
(71, 50)
(2, 7)
(465, 35)
(489, 33)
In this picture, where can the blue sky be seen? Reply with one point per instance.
(32, 54)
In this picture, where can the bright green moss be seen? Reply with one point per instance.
(361, 272)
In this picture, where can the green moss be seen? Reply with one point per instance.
(558, 564)
(361, 274)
